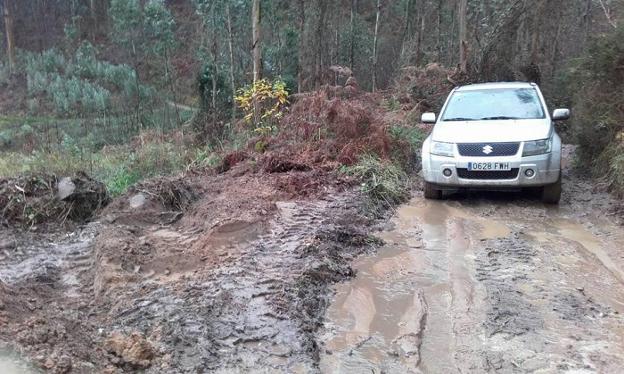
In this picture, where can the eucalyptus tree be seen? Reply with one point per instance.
(9, 32)
(127, 31)
(160, 42)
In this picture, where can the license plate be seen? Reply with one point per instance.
(489, 166)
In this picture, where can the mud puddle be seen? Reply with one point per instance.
(33, 257)
(11, 363)
(485, 286)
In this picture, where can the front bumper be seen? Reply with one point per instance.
(547, 168)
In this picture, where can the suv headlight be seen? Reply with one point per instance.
(537, 147)
(442, 149)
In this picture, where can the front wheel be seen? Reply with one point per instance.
(551, 194)
(431, 192)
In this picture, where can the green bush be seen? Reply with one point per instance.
(597, 80)
(118, 167)
(383, 181)
(407, 142)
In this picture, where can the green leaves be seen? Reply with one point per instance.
(158, 25)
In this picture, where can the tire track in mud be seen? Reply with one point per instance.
(40, 256)
(510, 286)
(258, 311)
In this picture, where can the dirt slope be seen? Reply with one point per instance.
(209, 272)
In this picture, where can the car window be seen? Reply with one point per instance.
(493, 104)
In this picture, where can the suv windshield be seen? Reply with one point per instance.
(493, 104)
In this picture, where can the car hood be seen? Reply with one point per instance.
(492, 131)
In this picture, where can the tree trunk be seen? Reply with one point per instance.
(536, 31)
(94, 18)
(352, 47)
(463, 36)
(439, 32)
(406, 27)
(319, 43)
(419, 40)
(375, 45)
(214, 51)
(336, 53)
(587, 20)
(257, 40)
(231, 50)
(300, 41)
(10, 36)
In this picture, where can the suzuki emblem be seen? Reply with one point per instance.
(488, 149)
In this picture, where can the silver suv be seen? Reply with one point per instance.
(494, 136)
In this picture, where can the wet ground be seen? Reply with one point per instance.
(484, 283)
(238, 282)
(249, 278)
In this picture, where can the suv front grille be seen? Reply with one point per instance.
(488, 149)
(487, 175)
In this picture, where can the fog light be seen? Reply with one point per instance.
(447, 172)
(529, 173)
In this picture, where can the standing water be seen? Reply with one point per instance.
(11, 363)
(482, 286)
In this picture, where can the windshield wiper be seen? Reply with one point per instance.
(459, 119)
(498, 117)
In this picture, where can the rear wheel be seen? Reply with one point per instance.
(431, 192)
(551, 194)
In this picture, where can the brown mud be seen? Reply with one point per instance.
(210, 273)
(234, 272)
(486, 283)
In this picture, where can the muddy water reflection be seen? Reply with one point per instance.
(12, 364)
(395, 315)
(416, 305)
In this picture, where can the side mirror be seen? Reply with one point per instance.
(561, 114)
(428, 118)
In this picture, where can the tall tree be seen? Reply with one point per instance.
(257, 39)
(352, 36)
(10, 36)
(462, 20)
(406, 27)
(375, 37)
(231, 50)
(320, 28)
(300, 55)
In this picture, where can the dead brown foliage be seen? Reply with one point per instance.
(324, 130)
(232, 159)
(425, 89)
(174, 193)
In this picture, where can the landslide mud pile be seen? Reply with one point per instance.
(238, 280)
(40, 199)
(226, 269)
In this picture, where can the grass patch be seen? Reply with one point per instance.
(385, 182)
(408, 142)
(118, 167)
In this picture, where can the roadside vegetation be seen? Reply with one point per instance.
(131, 90)
(596, 81)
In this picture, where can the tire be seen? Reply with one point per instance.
(551, 194)
(431, 192)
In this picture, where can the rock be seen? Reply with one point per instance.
(65, 188)
(137, 201)
(88, 196)
(134, 349)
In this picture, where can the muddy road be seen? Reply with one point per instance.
(235, 273)
(486, 283)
